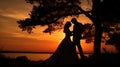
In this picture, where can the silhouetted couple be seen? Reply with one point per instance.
(66, 51)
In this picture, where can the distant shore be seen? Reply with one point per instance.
(30, 52)
(24, 52)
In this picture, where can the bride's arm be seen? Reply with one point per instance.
(71, 33)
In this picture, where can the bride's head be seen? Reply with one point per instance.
(67, 25)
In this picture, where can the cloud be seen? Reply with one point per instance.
(8, 24)
(10, 42)
(10, 12)
(18, 9)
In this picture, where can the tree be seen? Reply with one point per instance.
(52, 13)
(103, 11)
(112, 34)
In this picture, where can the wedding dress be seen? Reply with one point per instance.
(65, 53)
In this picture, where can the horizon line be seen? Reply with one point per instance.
(34, 52)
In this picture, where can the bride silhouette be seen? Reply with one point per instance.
(66, 52)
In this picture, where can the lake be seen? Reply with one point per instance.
(31, 56)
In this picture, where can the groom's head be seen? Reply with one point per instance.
(74, 20)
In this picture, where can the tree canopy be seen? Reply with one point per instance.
(103, 14)
(50, 13)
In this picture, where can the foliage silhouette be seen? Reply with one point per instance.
(53, 12)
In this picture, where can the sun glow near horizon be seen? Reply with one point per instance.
(12, 38)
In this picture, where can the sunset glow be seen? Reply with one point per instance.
(12, 38)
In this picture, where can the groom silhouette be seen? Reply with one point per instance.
(77, 31)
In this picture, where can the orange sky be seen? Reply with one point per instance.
(12, 38)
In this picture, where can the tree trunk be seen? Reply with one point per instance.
(97, 41)
(98, 30)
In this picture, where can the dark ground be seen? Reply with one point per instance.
(23, 61)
